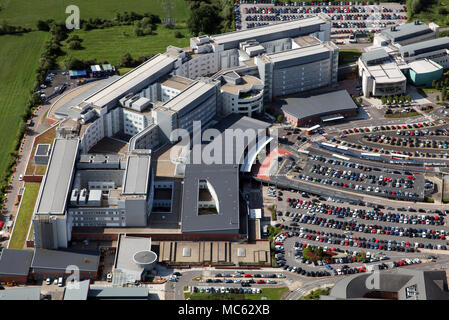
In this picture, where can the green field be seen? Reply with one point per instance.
(19, 58)
(23, 220)
(111, 43)
(27, 12)
(268, 293)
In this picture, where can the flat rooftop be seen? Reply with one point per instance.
(386, 73)
(224, 180)
(406, 31)
(176, 82)
(317, 105)
(189, 95)
(130, 80)
(33, 293)
(275, 28)
(424, 66)
(426, 46)
(247, 83)
(59, 260)
(374, 56)
(15, 262)
(56, 183)
(299, 55)
(127, 247)
(137, 174)
(304, 41)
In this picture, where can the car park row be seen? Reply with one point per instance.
(360, 178)
(351, 17)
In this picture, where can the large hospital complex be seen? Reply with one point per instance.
(223, 81)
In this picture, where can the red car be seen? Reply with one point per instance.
(247, 275)
(260, 281)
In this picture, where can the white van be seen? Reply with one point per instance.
(60, 282)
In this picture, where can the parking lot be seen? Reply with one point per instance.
(412, 140)
(363, 178)
(56, 83)
(391, 235)
(347, 17)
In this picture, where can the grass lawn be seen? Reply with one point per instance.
(19, 58)
(315, 294)
(347, 56)
(269, 293)
(23, 220)
(27, 12)
(111, 43)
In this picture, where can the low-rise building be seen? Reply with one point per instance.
(15, 265)
(302, 111)
(58, 263)
(380, 74)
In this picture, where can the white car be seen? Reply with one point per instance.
(48, 281)
(60, 282)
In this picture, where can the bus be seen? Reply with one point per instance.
(398, 156)
(343, 148)
(328, 145)
(312, 130)
(340, 157)
(303, 151)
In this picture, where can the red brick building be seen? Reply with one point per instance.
(15, 265)
(314, 109)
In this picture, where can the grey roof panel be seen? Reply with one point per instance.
(77, 291)
(406, 31)
(426, 46)
(137, 174)
(59, 260)
(317, 105)
(225, 182)
(56, 184)
(15, 262)
(21, 294)
(118, 292)
(375, 55)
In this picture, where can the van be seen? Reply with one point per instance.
(60, 282)
(21, 177)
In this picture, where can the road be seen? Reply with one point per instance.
(9, 209)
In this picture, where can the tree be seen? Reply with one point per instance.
(434, 83)
(127, 61)
(280, 118)
(383, 99)
(416, 6)
(178, 34)
(75, 45)
(390, 99)
(204, 18)
(438, 98)
(409, 98)
(43, 25)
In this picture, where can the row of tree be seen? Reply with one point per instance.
(5, 28)
(396, 99)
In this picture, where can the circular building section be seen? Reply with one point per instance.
(145, 258)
